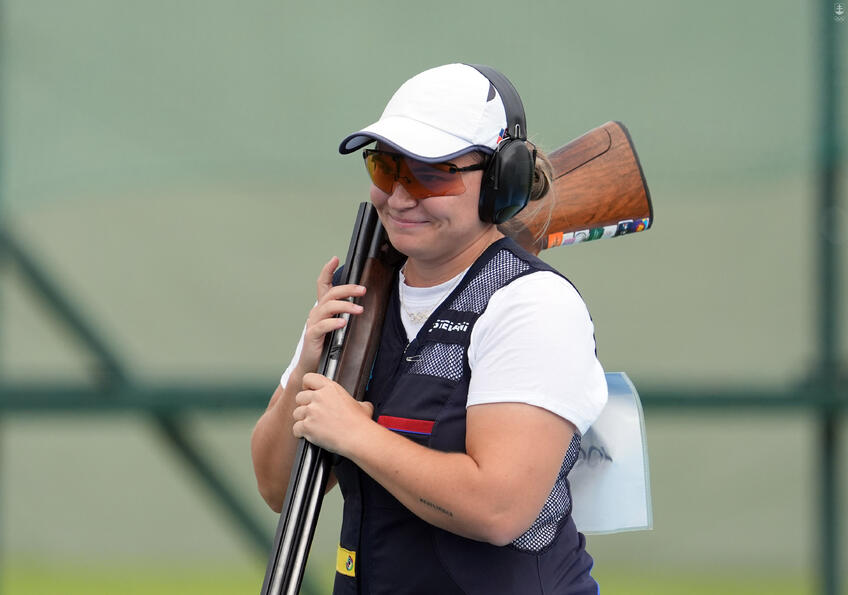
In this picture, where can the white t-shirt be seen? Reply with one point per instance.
(534, 344)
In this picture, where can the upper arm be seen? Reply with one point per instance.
(519, 449)
(535, 381)
(276, 396)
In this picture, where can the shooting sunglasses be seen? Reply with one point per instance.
(419, 179)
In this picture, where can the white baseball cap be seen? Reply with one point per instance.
(437, 115)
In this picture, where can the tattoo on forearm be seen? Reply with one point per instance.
(435, 507)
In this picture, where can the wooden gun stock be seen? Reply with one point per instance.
(599, 191)
(364, 330)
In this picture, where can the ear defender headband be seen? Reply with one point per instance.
(508, 178)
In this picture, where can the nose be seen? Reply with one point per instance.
(400, 198)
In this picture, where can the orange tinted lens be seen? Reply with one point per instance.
(382, 169)
(431, 179)
(419, 179)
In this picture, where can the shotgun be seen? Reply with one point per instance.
(599, 191)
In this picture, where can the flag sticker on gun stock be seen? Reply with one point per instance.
(625, 227)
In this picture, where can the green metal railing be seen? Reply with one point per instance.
(828, 376)
(824, 393)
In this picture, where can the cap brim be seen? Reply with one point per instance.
(412, 138)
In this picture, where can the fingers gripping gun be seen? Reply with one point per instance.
(599, 191)
(347, 358)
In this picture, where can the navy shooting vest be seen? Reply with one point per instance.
(419, 390)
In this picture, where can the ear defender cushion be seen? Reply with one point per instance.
(506, 181)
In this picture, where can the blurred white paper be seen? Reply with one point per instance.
(610, 484)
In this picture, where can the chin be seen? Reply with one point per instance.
(407, 247)
(405, 238)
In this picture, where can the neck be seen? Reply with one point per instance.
(426, 273)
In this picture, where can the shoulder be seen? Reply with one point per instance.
(535, 344)
(533, 298)
(542, 288)
(541, 305)
(511, 274)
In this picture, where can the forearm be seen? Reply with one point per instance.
(272, 444)
(447, 489)
(492, 492)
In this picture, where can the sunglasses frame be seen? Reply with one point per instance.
(398, 157)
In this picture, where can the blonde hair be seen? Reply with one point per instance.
(542, 188)
(543, 176)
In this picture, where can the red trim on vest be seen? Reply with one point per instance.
(404, 424)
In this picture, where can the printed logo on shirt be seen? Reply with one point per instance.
(448, 325)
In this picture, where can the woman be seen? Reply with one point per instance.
(454, 469)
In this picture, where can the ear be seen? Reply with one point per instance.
(507, 181)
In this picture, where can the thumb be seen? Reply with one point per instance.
(368, 407)
(314, 381)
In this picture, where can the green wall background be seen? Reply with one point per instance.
(174, 166)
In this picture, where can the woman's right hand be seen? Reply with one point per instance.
(322, 318)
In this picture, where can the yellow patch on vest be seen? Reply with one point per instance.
(346, 562)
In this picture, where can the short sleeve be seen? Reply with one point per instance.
(285, 377)
(535, 344)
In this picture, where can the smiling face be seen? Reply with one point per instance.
(441, 235)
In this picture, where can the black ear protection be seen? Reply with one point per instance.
(508, 177)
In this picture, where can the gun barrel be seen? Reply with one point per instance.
(348, 352)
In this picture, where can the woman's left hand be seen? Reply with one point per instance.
(327, 415)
